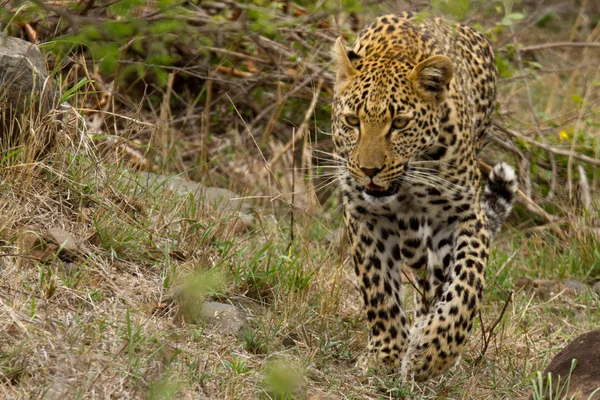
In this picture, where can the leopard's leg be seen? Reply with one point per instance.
(377, 262)
(421, 288)
(415, 248)
(428, 265)
(427, 280)
(439, 258)
(437, 340)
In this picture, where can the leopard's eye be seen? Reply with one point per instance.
(400, 123)
(352, 120)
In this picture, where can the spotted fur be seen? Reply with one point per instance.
(413, 99)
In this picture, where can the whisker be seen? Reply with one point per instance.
(324, 185)
(416, 180)
(437, 179)
(330, 160)
(433, 171)
(332, 155)
(315, 168)
(435, 162)
(325, 177)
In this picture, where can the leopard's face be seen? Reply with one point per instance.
(385, 114)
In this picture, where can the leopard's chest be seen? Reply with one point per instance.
(410, 238)
(413, 200)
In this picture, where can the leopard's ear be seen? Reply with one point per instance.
(345, 69)
(432, 77)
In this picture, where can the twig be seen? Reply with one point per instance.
(73, 19)
(31, 33)
(88, 6)
(525, 173)
(573, 142)
(268, 129)
(135, 121)
(19, 255)
(234, 72)
(270, 46)
(285, 97)
(553, 182)
(557, 44)
(527, 87)
(583, 195)
(293, 192)
(486, 339)
(205, 127)
(303, 127)
(163, 129)
(505, 264)
(579, 21)
(136, 157)
(413, 284)
(239, 55)
(38, 297)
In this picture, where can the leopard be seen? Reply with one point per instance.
(412, 105)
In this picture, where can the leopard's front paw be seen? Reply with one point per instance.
(366, 362)
(381, 358)
(429, 353)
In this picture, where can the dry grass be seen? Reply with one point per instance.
(115, 320)
(108, 323)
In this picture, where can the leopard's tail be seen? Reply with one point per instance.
(499, 195)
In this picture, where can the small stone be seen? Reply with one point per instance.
(64, 240)
(30, 242)
(225, 317)
(323, 396)
(596, 288)
(34, 247)
(524, 283)
(577, 286)
(544, 289)
(289, 341)
(241, 224)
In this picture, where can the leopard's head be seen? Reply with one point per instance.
(386, 112)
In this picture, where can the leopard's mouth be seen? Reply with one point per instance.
(378, 191)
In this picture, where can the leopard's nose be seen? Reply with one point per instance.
(371, 172)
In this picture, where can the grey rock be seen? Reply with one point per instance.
(23, 76)
(596, 288)
(219, 199)
(577, 286)
(585, 378)
(544, 289)
(64, 240)
(228, 319)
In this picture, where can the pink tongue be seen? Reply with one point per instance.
(372, 186)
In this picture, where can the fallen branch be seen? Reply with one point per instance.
(551, 149)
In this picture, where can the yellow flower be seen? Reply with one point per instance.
(563, 135)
